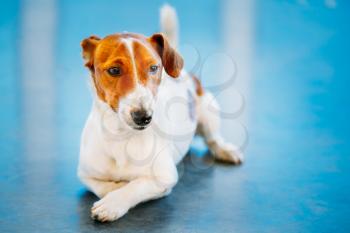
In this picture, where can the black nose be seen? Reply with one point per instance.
(141, 118)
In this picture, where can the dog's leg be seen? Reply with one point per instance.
(208, 113)
(99, 187)
(162, 177)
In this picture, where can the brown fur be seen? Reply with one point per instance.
(172, 61)
(199, 87)
(111, 51)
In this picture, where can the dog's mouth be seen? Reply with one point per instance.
(136, 127)
(139, 127)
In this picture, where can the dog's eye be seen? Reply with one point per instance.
(153, 69)
(114, 71)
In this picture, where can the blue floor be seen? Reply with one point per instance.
(297, 169)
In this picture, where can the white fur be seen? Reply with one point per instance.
(145, 161)
(128, 43)
(124, 166)
(169, 24)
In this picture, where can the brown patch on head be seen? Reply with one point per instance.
(145, 57)
(107, 53)
(134, 55)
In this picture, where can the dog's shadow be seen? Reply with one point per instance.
(195, 178)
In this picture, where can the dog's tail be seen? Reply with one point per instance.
(169, 24)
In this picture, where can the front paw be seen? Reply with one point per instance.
(109, 208)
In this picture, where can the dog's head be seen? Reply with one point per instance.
(127, 70)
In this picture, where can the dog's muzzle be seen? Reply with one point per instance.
(141, 118)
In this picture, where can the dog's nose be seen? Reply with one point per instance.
(141, 118)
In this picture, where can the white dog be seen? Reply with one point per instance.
(145, 113)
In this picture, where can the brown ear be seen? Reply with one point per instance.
(172, 61)
(89, 45)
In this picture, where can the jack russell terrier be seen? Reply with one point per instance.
(145, 113)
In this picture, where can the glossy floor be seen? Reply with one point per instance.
(293, 69)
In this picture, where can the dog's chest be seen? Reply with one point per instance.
(133, 156)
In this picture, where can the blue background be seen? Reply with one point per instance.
(296, 174)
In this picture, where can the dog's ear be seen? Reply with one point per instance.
(89, 45)
(172, 61)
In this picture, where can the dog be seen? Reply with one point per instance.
(146, 110)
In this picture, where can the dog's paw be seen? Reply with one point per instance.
(228, 153)
(108, 209)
